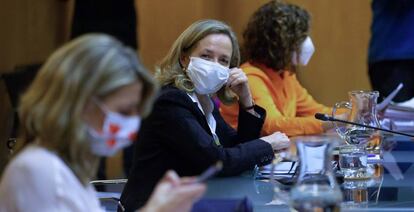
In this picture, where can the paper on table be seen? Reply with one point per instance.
(389, 98)
(402, 125)
(409, 103)
(395, 112)
(374, 158)
(281, 169)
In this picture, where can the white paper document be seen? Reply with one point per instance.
(409, 103)
(280, 168)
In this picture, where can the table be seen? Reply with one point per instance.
(395, 194)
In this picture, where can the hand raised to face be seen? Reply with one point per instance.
(238, 83)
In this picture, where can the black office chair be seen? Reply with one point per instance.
(16, 83)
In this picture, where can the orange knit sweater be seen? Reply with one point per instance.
(289, 107)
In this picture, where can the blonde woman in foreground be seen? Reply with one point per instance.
(85, 102)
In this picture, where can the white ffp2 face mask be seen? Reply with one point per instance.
(208, 77)
(306, 51)
(118, 132)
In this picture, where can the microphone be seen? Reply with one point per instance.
(324, 117)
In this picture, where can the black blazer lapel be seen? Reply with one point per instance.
(200, 117)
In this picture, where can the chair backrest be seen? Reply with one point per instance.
(16, 83)
(18, 80)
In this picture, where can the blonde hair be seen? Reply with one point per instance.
(51, 110)
(170, 71)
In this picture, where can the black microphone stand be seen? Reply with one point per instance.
(324, 117)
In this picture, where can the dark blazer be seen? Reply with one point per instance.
(176, 136)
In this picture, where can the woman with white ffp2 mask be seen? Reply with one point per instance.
(208, 68)
(185, 131)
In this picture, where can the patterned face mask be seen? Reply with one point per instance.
(118, 132)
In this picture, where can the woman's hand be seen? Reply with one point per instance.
(278, 140)
(238, 83)
(173, 193)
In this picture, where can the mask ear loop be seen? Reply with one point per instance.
(185, 70)
(182, 66)
(102, 107)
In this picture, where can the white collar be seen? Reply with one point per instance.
(206, 98)
(208, 114)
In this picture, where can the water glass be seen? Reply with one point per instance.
(355, 194)
(353, 161)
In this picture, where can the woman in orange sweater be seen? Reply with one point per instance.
(276, 42)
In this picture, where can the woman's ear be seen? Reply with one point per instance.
(93, 116)
(184, 61)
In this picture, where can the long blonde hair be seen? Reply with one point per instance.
(51, 110)
(170, 71)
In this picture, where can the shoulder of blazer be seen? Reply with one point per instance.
(172, 96)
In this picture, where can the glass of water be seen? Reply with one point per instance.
(353, 161)
(355, 194)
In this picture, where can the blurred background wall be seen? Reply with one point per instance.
(31, 30)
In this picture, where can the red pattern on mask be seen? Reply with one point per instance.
(111, 142)
(114, 128)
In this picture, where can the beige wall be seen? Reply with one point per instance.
(30, 30)
(161, 22)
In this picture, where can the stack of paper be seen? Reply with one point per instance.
(399, 112)
(281, 170)
(397, 116)
(409, 103)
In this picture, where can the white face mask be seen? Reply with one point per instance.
(208, 77)
(118, 132)
(306, 51)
